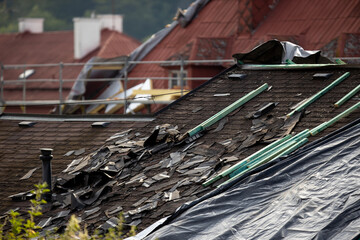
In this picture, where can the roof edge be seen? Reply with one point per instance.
(76, 118)
(195, 89)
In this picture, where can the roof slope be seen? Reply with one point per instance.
(20, 148)
(311, 24)
(117, 44)
(147, 187)
(218, 19)
(31, 48)
(242, 25)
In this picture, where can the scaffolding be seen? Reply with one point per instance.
(120, 65)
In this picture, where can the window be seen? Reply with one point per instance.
(175, 79)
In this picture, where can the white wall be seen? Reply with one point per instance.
(33, 25)
(87, 33)
(112, 22)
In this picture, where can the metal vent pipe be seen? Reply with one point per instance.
(46, 157)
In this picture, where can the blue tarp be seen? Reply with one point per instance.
(312, 194)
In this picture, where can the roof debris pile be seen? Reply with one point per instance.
(125, 168)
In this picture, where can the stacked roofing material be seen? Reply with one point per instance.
(286, 145)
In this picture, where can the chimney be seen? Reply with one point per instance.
(252, 13)
(46, 158)
(87, 33)
(33, 25)
(111, 21)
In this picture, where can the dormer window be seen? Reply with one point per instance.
(175, 79)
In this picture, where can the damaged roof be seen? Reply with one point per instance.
(146, 171)
(312, 194)
(22, 136)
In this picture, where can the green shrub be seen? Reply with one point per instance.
(20, 228)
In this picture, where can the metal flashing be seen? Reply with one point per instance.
(100, 124)
(26, 124)
(265, 109)
(322, 75)
(221, 94)
(237, 76)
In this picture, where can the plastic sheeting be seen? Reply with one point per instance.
(139, 53)
(312, 194)
(79, 87)
(276, 52)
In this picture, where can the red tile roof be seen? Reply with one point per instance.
(117, 44)
(311, 24)
(53, 47)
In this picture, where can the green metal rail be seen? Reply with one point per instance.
(325, 125)
(287, 150)
(246, 160)
(286, 147)
(282, 146)
(227, 110)
(266, 157)
(319, 94)
(276, 149)
(264, 152)
(347, 96)
(340, 62)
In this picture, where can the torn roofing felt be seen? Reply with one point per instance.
(80, 86)
(313, 194)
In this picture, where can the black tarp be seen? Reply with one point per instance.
(312, 194)
(277, 52)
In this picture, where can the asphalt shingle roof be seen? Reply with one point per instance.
(153, 186)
